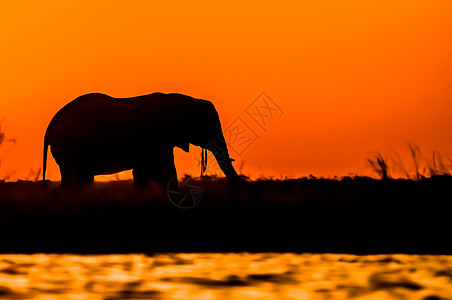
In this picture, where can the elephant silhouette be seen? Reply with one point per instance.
(98, 134)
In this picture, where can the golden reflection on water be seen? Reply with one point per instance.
(225, 276)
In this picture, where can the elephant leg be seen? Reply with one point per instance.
(76, 176)
(86, 177)
(164, 168)
(167, 174)
(141, 176)
(161, 169)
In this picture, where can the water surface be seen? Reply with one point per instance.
(225, 276)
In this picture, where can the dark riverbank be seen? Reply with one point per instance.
(352, 215)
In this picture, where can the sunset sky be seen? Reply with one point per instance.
(350, 78)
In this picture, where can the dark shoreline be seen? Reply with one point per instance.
(351, 215)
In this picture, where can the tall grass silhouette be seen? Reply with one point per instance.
(3, 141)
(419, 166)
(379, 165)
(33, 173)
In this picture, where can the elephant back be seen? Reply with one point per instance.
(78, 116)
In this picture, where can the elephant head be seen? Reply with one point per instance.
(203, 129)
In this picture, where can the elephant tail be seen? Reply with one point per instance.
(44, 159)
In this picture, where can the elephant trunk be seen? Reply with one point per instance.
(220, 150)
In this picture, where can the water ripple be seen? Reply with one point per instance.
(225, 276)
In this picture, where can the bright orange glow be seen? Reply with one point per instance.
(352, 77)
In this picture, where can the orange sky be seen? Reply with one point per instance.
(352, 77)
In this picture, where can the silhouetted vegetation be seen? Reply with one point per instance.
(418, 168)
(355, 215)
(33, 174)
(379, 165)
(3, 141)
